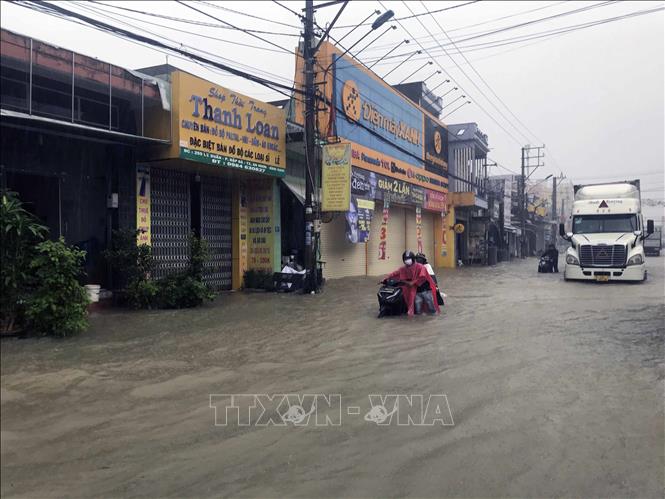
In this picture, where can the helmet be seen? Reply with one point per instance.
(421, 258)
(408, 255)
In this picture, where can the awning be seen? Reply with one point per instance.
(296, 186)
(509, 228)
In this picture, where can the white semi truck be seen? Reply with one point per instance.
(607, 233)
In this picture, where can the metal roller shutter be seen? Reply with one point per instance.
(427, 233)
(216, 230)
(342, 258)
(396, 240)
(170, 220)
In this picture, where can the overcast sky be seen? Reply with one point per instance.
(594, 96)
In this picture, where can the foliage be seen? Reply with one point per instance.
(132, 262)
(21, 231)
(134, 265)
(199, 256)
(58, 304)
(182, 290)
(141, 293)
(258, 279)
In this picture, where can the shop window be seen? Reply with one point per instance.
(15, 74)
(91, 91)
(126, 101)
(51, 81)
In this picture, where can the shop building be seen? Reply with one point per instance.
(398, 154)
(91, 147)
(468, 191)
(71, 130)
(217, 179)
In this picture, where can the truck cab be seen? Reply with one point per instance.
(606, 240)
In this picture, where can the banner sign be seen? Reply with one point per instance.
(436, 147)
(383, 235)
(419, 229)
(221, 127)
(260, 208)
(435, 201)
(444, 229)
(143, 205)
(369, 159)
(336, 177)
(372, 185)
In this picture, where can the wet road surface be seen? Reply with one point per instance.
(556, 389)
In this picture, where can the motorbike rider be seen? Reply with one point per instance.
(417, 285)
(422, 259)
(554, 257)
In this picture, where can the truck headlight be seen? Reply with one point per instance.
(635, 260)
(572, 260)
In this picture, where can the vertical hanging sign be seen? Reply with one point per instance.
(419, 229)
(384, 230)
(143, 204)
(444, 242)
(336, 177)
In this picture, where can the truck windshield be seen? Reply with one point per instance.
(591, 224)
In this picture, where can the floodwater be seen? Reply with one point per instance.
(556, 389)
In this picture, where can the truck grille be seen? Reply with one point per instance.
(603, 255)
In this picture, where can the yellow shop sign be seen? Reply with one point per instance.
(225, 128)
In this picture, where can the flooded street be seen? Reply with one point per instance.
(556, 389)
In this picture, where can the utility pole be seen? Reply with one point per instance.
(523, 205)
(553, 215)
(526, 164)
(310, 150)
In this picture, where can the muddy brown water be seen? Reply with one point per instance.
(556, 389)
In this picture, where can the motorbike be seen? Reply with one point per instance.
(545, 264)
(391, 301)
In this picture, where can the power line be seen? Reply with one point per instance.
(483, 34)
(246, 14)
(235, 27)
(50, 8)
(96, 11)
(408, 17)
(193, 33)
(479, 76)
(189, 21)
(446, 72)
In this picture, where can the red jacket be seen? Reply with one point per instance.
(418, 275)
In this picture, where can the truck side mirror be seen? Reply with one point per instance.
(650, 229)
(565, 235)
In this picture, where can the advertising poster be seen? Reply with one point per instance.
(383, 235)
(358, 220)
(444, 242)
(243, 226)
(222, 127)
(419, 229)
(143, 205)
(260, 212)
(336, 177)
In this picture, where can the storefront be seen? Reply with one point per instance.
(216, 180)
(398, 182)
(71, 129)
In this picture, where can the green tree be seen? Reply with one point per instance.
(21, 232)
